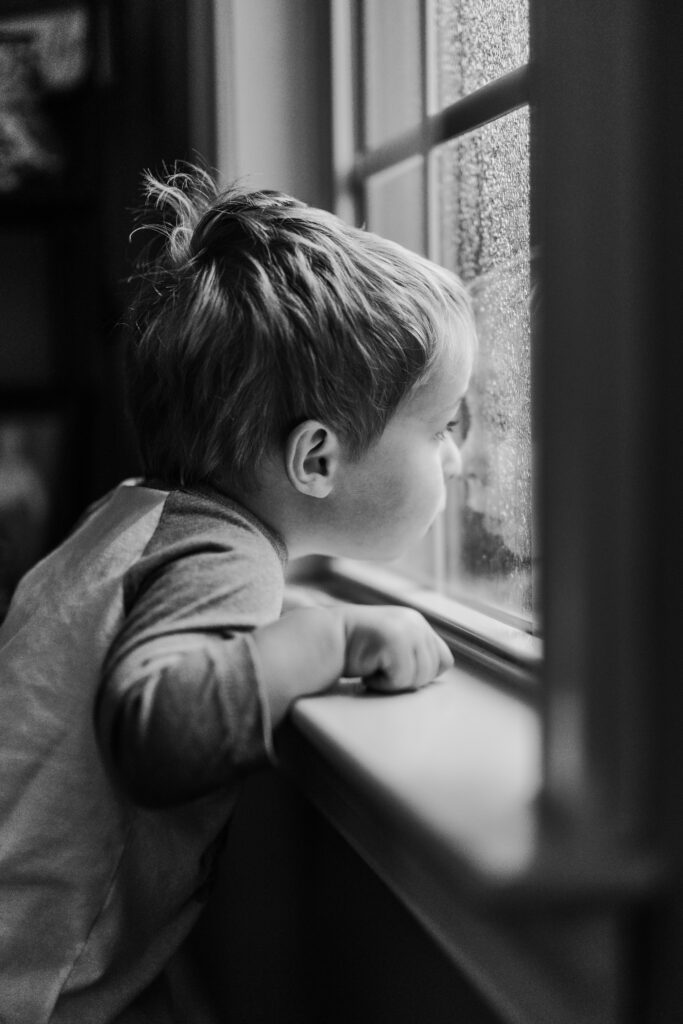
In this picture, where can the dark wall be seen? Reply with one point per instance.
(65, 249)
(299, 930)
(146, 123)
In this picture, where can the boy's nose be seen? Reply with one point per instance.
(452, 460)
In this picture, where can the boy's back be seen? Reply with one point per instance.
(97, 891)
(294, 382)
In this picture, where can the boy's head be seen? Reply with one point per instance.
(259, 313)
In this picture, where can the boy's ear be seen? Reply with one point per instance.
(312, 453)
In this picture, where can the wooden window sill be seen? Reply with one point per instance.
(438, 791)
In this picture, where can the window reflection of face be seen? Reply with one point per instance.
(496, 456)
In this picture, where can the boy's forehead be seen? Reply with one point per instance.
(446, 382)
(455, 361)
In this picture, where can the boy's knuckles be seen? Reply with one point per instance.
(399, 643)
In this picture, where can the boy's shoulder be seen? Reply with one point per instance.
(182, 516)
(139, 526)
(206, 561)
(190, 541)
(198, 540)
(201, 517)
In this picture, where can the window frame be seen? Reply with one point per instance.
(604, 82)
(354, 162)
(598, 764)
(353, 165)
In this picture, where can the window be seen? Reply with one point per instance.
(568, 156)
(432, 150)
(598, 903)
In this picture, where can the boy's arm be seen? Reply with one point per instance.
(307, 650)
(179, 716)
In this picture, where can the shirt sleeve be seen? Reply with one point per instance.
(181, 710)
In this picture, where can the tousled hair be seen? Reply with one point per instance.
(257, 312)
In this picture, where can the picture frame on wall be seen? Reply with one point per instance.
(44, 61)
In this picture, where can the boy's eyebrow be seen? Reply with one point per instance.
(452, 407)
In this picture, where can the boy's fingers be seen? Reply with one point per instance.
(416, 656)
(444, 654)
(427, 663)
(406, 669)
(432, 656)
(420, 666)
(396, 676)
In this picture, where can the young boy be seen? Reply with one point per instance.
(292, 382)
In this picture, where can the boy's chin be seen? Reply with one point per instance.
(380, 554)
(390, 553)
(382, 546)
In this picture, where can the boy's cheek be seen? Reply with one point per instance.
(298, 596)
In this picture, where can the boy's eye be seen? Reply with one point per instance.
(448, 429)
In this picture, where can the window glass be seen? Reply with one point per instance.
(482, 549)
(483, 204)
(392, 68)
(474, 188)
(474, 42)
(394, 200)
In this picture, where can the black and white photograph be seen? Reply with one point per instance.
(340, 512)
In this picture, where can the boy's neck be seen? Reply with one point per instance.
(272, 501)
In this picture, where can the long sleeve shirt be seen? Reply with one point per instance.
(130, 707)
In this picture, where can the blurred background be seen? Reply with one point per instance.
(91, 94)
(94, 92)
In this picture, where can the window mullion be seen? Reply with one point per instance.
(599, 587)
(424, 101)
(345, 126)
(508, 93)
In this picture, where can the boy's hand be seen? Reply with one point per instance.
(392, 648)
(308, 649)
